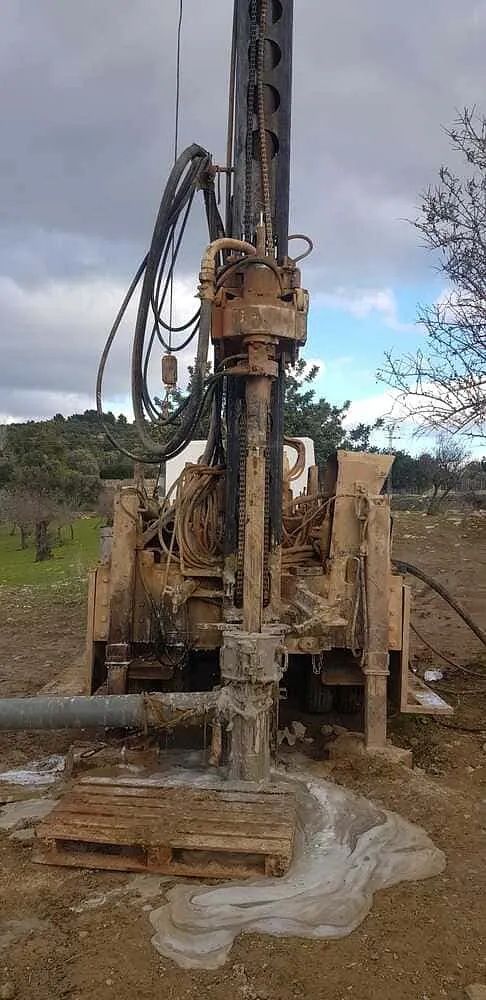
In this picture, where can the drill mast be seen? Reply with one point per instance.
(261, 81)
(260, 89)
(261, 318)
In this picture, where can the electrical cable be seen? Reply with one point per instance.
(408, 568)
(190, 171)
(178, 80)
(443, 656)
(231, 123)
(176, 148)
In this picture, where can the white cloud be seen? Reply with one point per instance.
(371, 408)
(365, 303)
(385, 405)
(409, 434)
(52, 335)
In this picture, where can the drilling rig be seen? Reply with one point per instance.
(208, 596)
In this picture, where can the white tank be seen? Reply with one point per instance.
(195, 449)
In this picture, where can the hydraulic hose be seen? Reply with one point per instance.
(190, 171)
(410, 569)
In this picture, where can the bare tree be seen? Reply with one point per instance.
(445, 467)
(17, 510)
(32, 512)
(65, 514)
(444, 386)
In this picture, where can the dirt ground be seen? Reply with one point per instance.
(420, 941)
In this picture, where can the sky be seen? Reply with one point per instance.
(86, 118)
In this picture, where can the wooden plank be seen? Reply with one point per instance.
(136, 818)
(130, 786)
(395, 629)
(101, 609)
(136, 810)
(423, 701)
(415, 697)
(405, 653)
(109, 830)
(176, 794)
(214, 841)
(242, 809)
(136, 804)
(206, 868)
(57, 855)
(90, 631)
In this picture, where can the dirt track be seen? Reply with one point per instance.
(424, 940)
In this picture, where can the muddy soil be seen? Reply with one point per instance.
(421, 941)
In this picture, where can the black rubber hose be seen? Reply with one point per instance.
(411, 570)
(214, 450)
(189, 172)
(172, 202)
(195, 404)
(102, 365)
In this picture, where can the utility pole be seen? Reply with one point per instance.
(392, 432)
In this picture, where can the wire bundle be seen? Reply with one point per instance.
(190, 172)
(199, 522)
(191, 522)
(300, 521)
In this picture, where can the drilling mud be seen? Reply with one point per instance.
(346, 850)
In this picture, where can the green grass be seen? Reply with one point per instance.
(68, 568)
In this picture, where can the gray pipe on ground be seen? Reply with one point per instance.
(130, 711)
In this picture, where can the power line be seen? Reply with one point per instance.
(176, 150)
(392, 431)
(178, 80)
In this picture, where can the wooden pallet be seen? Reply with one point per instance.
(129, 824)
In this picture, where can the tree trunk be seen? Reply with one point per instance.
(72, 532)
(434, 501)
(437, 499)
(42, 545)
(13, 528)
(24, 534)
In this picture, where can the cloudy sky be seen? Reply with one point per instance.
(86, 125)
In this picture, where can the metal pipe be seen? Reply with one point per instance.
(131, 711)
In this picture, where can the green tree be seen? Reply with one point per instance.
(307, 415)
(45, 476)
(410, 474)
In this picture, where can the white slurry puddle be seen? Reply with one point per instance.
(346, 850)
(38, 774)
(18, 815)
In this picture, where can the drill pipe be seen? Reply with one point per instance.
(132, 711)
